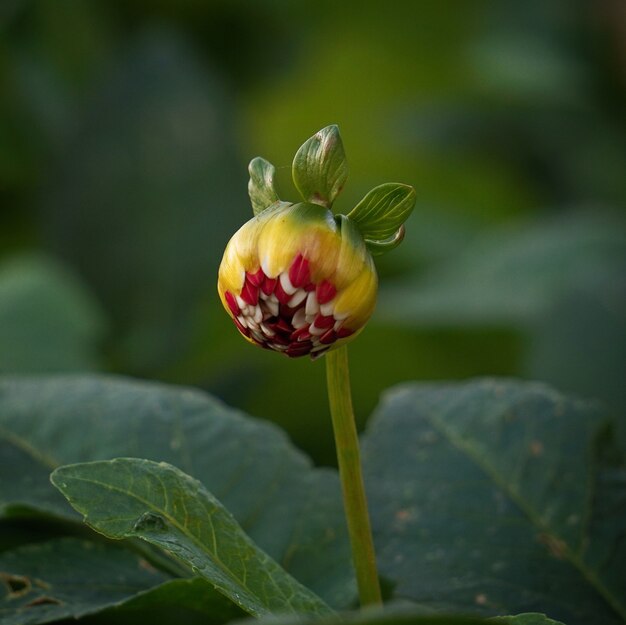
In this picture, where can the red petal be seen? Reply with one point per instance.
(324, 322)
(268, 285)
(302, 334)
(342, 333)
(250, 293)
(299, 272)
(325, 292)
(278, 325)
(283, 297)
(245, 331)
(299, 349)
(280, 339)
(232, 303)
(330, 336)
(256, 279)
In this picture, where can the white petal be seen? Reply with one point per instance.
(267, 331)
(327, 308)
(299, 319)
(312, 307)
(285, 282)
(315, 331)
(272, 306)
(297, 298)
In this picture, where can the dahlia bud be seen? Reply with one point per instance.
(296, 278)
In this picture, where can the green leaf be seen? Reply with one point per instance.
(495, 496)
(381, 213)
(513, 275)
(128, 497)
(150, 158)
(409, 614)
(558, 282)
(292, 511)
(69, 578)
(48, 320)
(25, 479)
(261, 184)
(386, 245)
(529, 618)
(166, 602)
(319, 168)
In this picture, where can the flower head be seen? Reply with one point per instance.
(296, 278)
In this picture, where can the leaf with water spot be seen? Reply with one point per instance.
(128, 497)
(499, 496)
(319, 168)
(261, 184)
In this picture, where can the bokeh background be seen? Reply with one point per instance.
(126, 127)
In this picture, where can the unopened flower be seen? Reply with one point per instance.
(297, 280)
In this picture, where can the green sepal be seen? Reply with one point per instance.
(378, 247)
(381, 213)
(320, 168)
(261, 184)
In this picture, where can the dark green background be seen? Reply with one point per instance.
(125, 132)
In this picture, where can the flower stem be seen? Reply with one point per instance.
(348, 457)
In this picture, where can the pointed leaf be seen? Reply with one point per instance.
(292, 511)
(261, 184)
(128, 497)
(494, 496)
(319, 168)
(379, 247)
(383, 210)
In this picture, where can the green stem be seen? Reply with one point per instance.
(348, 457)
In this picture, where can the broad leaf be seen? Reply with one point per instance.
(65, 578)
(560, 283)
(529, 618)
(410, 614)
(513, 275)
(384, 209)
(493, 496)
(294, 513)
(128, 497)
(193, 595)
(146, 192)
(261, 184)
(49, 322)
(319, 168)
(25, 479)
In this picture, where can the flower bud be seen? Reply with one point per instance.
(298, 280)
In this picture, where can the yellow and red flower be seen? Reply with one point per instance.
(297, 280)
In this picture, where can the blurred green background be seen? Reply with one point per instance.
(126, 127)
